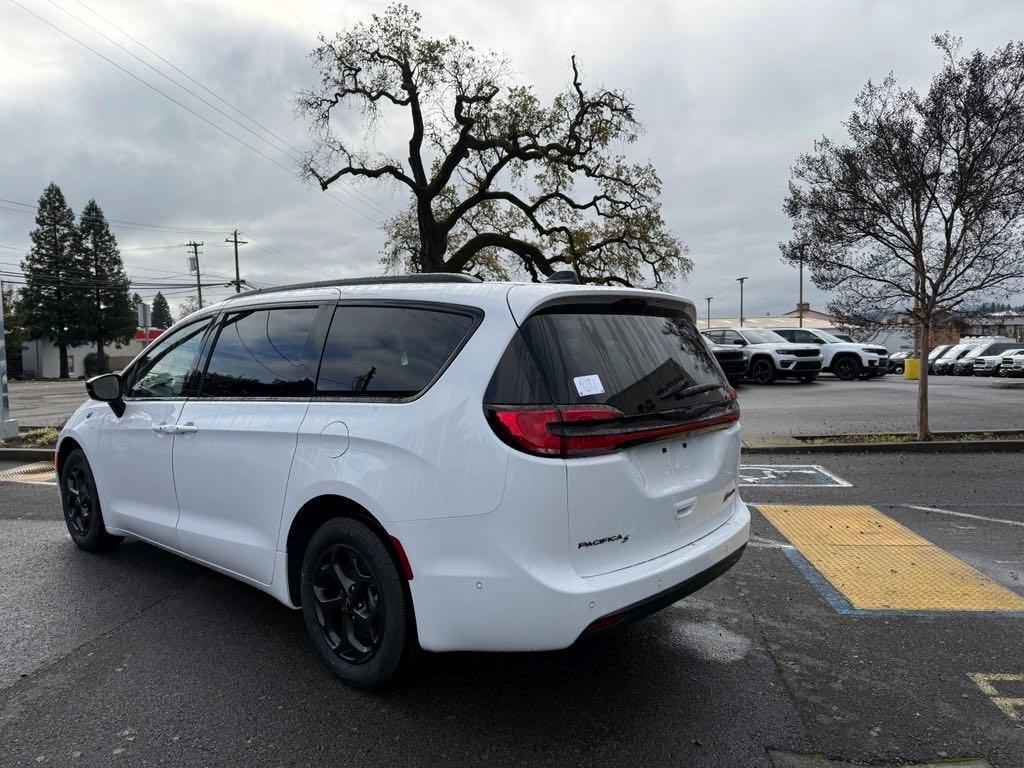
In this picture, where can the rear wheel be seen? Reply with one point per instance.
(81, 503)
(354, 606)
(762, 371)
(846, 368)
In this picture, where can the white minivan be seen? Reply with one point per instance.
(428, 460)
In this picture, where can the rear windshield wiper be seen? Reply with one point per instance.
(681, 391)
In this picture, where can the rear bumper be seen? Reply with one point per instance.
(485, 601)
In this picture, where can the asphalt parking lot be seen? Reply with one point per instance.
(138, 658)
(828, 406)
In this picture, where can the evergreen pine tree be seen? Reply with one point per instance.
(161, 314)
(108, 313)
(54, 293)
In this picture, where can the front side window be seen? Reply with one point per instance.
(262, 353)
(388, 351)
(162, 372)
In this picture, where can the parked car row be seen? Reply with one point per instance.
(979, 356)
(800, 353)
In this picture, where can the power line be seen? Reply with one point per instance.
(173, 100)
(166, 228)
(351, 188)
(286, 257)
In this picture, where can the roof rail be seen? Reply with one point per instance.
(422, 277)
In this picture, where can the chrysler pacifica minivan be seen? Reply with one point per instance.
(428, 461)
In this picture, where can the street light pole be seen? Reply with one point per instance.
(708, 300)
(800, 304)
(741, 280)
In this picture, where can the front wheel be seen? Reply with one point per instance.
(846, 368)
(81, 503)
(354, 605)
(762, 371)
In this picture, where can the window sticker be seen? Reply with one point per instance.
(588, 385)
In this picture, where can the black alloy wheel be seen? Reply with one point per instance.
(846, 368)
(356, 609)
(81, 504)
(348, 605)
(762, 371)
(78, 507)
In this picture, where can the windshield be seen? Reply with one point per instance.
(831, 338)
(938, 352)
(976, 352)
(759, 336)
(954, 352)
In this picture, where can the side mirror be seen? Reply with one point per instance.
(739, 343)
(107, 389)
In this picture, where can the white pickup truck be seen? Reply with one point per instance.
(844, 359)
(770, 356)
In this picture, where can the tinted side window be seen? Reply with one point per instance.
(801, 337)
(262, 353)
(517, 380)
(163, 370)
(787, 335)
(388, 351)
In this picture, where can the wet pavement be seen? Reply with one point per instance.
(137, 657)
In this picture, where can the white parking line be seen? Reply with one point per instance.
(966, 514)
(777, 475)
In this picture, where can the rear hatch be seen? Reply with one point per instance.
(627, 395)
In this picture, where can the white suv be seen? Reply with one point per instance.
(466, 465)
(844, 359)
(770, 356)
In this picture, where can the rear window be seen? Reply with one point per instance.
(388, 351)
(638, 361)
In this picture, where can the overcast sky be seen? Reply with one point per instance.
(729, 92)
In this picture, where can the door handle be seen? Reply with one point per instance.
(164, 429)
(186, 429)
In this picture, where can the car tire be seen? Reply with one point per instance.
(355, 606)
(807, 378)
(81, 504)
(898, 370)
(846, 368)
(762, 371)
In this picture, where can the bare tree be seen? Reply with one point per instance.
(922, 211)
(498, 181)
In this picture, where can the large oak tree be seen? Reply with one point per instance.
(921, 212)
(499, 182)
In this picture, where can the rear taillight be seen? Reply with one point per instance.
(572, 431)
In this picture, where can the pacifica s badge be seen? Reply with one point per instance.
(605, 540)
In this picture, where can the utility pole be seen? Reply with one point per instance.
(193, 265)
(708, 300)
(237, 282)
(741, 280)
(800, 304)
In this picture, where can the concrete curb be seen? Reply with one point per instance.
(1007, 384)
(26, 454)
(933, 446)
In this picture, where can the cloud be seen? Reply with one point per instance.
(730, 94)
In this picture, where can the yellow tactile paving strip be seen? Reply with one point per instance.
(40, 472)
(878, 564)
